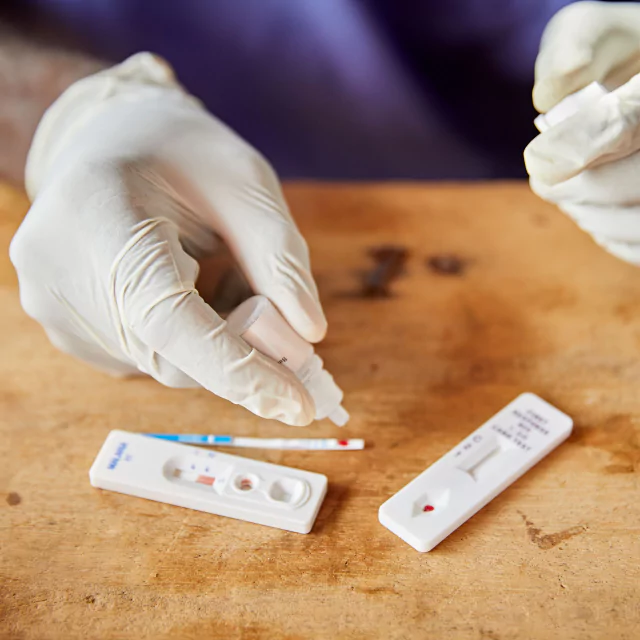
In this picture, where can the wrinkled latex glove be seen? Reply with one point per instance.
(589, 164)
(583, 43)
(132, 181)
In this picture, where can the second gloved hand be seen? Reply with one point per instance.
(589, 164)
(132, 182)
(583, 43)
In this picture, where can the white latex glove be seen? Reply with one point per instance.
(583, 43)
(589, 164)
(132, 181)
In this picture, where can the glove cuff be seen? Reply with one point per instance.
(139, 77)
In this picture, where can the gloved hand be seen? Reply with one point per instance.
(132, 182)
(589, 164)
(586, 42)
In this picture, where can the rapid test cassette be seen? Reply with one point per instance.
(469, 476)
(209, 481)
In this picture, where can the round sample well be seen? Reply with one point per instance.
(288, 490)
(246, 482)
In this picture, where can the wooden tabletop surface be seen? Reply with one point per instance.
(499, 294)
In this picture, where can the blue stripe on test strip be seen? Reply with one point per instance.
(162, 436)
(300, 444)
(188, 439)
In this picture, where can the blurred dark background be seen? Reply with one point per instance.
(327, 89)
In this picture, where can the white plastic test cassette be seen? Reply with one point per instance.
(209, 481)
(469, 476)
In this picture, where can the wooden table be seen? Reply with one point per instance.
(523, 301)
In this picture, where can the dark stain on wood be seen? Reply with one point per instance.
(620, 437)
(540, 220)
(13, 499)
(550, 540)
(447, 265)
(374, 591)
(390, 263)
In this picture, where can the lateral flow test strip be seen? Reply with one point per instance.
(288, 444)
(473, 473)
(209, 481)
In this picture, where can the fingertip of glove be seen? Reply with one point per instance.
(292, 406)
(304, 415)
(314, 330)
(573, 72)
(301, 420)
(150, 65)
(534, 162)
(543, 97)
(305, 315)
(546, 166)
(549, 92)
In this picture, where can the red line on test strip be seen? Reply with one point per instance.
(205, 480)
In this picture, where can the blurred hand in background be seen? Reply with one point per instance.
(589, 164)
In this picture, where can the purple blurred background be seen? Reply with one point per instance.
(339, 89)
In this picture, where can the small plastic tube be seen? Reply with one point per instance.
(260, 324)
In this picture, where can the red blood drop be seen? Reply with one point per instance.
(428, 508)
(343, 443)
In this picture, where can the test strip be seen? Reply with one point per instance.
(298, 444)
(469, 476)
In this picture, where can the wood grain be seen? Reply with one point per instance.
(535, 305)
